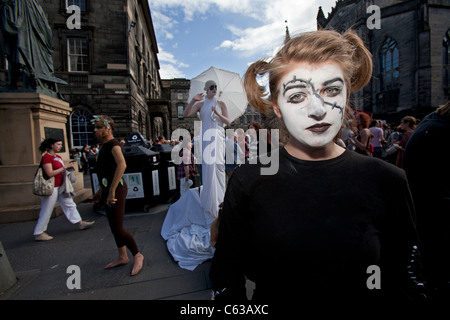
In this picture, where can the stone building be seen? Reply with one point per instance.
(409, 41)
(177, 92)
(250, 115)
(107, 53)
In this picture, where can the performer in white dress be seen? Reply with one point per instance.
(186, 227)
(214, 115)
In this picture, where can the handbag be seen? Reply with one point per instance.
(185, 185)
(391, 150)
(41, 185)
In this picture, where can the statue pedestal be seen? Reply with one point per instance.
(7, 276)
(25, 120)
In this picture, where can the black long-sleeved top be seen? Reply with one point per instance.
(311, 230)
(426, 163)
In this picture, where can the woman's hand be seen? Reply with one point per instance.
(69, 165)
(193, 106)
(111, 200)
(223, 116)
(198, 97)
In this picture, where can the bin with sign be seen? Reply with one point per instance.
(167, 170)
(141, 177)
(137, 139)
(92, 162)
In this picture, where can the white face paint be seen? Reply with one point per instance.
(211, 93)
(312, 100)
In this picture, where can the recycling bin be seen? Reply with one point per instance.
(95, 185)
(141, 177)
(167, 172)
(137, 139)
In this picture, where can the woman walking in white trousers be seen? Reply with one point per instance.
(53, 166)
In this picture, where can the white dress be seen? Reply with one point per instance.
(213, 159)
(186, 228)
(187, 224)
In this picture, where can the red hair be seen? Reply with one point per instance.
(364, 119)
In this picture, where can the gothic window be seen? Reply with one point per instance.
(389, 65)
(77, 55)
(81, 128)
(446, 59)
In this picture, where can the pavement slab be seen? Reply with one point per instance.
(42, 267)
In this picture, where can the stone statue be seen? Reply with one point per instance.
(27, 43)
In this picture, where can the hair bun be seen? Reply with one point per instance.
(362, 59)
(256, 93)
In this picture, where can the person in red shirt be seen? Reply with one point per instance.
(53, 166)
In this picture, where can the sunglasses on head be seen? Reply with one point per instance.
(212, 87)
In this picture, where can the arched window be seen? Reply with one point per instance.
(389, 65)
(446, 59)
(81, 128)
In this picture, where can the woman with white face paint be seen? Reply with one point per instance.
(311, 231)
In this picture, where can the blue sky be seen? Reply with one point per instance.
(193, 35)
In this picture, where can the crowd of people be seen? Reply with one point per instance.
(83, 155)
(377, 138)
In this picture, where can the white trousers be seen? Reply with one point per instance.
(48, 204)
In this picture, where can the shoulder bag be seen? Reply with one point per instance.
(42, 186)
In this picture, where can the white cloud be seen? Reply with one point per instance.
(263, 38)
(163, 24)
(267, 37)
(170, 71)
(191, 8)
(169, 66)
(251, 41)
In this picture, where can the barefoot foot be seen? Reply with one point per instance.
(118, 262)
(138, 262)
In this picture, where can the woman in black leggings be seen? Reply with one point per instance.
(113, 192)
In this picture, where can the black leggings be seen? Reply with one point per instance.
(115, 215)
